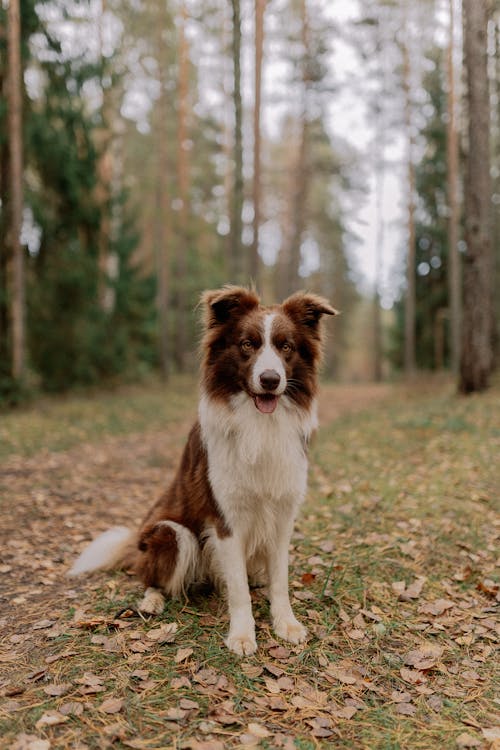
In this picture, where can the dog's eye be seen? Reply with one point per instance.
(246, 346)
(286, 347)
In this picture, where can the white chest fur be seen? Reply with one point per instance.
(257, 462)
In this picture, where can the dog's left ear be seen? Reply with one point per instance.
(228, 302)
(307, 309)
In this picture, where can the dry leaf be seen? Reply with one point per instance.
(164, 634)
(42, 624)
(279, 652)
(258, 730)
(57, 690)
(251, 670)
(435, 702)
(346, 712)
(30, 742)
(342, 675)
(406, 709)
(50, 719)
(175, 714)
(400, 697)
(111, 705)
(182, 654)
(412, 676)
(424, 657)
(188, 705)
(72, 708)
(437, 607)
(413, 591)
(467, 740)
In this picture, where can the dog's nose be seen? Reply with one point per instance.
(269, 380)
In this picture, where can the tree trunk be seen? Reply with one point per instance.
(236, 254)
(260, 6)
(476, 358)
(104, 137)
(5, 250)
(182, 239)
(16, 190)
(290, 252)
(454, 285)
(379, 244)
(162, 217)
(410, 300)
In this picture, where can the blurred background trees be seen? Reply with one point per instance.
(151, 150)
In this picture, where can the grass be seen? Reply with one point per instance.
(59, 423)
(406, 489)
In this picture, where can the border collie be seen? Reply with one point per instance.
(228, 515)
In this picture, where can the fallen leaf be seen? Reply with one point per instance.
(435, 702)
(413, 591)
(342, 675)
(251, 670)
(111, 705)
(467, 740)
(72, 708)
(188, 705)
(42, 624)
(57, 690)
(164, 634)
(400, 697)
(412, 676)
(279, 652)
(30, 742)
(175, 714)
(258, 730)
(436, 607)
(50, 719)
(346, 712)
(491, 734)
(406, 709)
(182, 654)
(424, 657)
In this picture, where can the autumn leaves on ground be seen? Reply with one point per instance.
(392, 569)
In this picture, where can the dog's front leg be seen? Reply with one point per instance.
(241, 637)
(285, 623)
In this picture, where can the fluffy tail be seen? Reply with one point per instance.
(109, 549)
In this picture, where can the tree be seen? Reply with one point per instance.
(454, 280)
(476, 357)
(16, 190)
(260, 6)
(410, 301)
(236, 249)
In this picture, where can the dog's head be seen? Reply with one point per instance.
(265, 352)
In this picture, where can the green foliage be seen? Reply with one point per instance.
(431, 258)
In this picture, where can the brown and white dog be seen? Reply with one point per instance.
(229, 513)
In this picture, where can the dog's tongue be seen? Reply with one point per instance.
(266, 403)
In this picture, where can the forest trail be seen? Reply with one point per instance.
(391, 567)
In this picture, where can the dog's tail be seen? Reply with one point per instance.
(108, 550)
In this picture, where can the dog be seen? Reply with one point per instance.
(229, 513)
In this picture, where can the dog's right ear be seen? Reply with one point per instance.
(230, 301)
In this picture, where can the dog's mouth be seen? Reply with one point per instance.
(266, 403)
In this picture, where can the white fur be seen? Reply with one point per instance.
(104, 552)
(268, 359)
(258, 473)
(152, 603)
(187, 559)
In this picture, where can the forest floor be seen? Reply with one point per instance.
(392, 569)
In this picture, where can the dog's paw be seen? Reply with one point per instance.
(152, 602)
(243, 644)
(290, 630)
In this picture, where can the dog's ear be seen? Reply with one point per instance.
(306, 309)
(230, 301)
